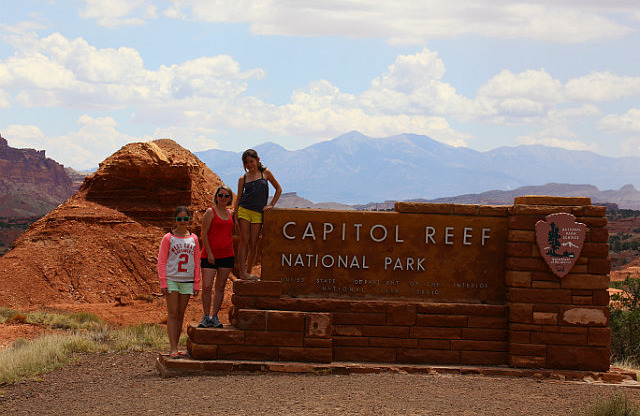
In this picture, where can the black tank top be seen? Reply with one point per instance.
(255, 194)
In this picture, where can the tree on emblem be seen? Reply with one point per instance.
(554, 239)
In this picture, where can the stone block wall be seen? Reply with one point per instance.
(382, 331)
(557, 322)
(545, 321)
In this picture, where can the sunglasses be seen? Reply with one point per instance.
(180, 219)
(223, 196)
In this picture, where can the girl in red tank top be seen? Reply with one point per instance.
(217, 257)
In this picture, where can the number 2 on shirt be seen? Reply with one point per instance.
(184, 259)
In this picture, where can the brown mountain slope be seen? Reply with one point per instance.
(30, 183)
(103, 241)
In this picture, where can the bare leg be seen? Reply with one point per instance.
(218, 294)
(207, 284)
(243, 244)
(176, 306)
(255, 230)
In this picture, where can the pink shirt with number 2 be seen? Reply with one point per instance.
(179, 260)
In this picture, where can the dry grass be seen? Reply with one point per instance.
(85, 332)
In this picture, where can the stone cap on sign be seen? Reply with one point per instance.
(459, 209)
(551, 200)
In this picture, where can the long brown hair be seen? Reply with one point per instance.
(252, 153)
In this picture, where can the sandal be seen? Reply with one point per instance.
(179, 354)
(253, 278)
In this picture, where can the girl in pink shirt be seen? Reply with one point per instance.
(179, 273)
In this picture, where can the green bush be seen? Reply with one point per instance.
(614, 406)
(625, 321)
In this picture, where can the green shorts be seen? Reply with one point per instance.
(184, 288)
(254, 217)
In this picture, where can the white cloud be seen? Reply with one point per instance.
(412, 22)
(556, 142)
(602, 86)
(192, 138)
(631, 146)
(111, 13)
(625, 123)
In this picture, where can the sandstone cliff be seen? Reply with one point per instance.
(30, 183)
(103, 241)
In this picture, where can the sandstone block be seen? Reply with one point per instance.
(367, 306)
(555, 338)
(518, 278)
(203, 351)
(350, 341)
(600, 250)
(423, 207)
(394, 342)
(247, 352)
(522, 222)
(518, 249)
(366, 354)
(316, 355)
(483, 357)
(520, 295)
(388, 331)
(598, 235)
(528, 349)
(526, 264)
(401, 313)
(578, 358)
(318, 342)
(259, 288)
(484, 334)
(252, 319)
(349, 318)
(454, 321)
(595, 210)
(420, 356)
(318, 325)
(471, 345)
(545, 318)
(465, 209)
(582, 300)
(247, 302)
(600, 336)
(434, 344)
(599, 265)
(493, 210)
(551, 200)
(586, 316)
(285, 321)
(520, 337)
(274, 338)
(347, 330)
(600, 297)
(436, 333)
(216, 336)
(521, 236)
(521, 313)
(523, 361)
(487, 322)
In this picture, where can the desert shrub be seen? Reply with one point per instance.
(77, 320)
(618, 405)
(6, 313)
(625, 321)
(141, 337)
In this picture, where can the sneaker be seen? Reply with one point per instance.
(204, 323)
(214, 322)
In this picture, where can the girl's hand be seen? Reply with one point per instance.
(267, 207)
(164, 291)
(211, 259)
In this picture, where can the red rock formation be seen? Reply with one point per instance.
(103, 241)
(30, 183)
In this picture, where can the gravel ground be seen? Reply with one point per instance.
(130, 384)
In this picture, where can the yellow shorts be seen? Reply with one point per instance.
(254, 217)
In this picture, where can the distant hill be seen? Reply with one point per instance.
(356, 169)
(292, 200)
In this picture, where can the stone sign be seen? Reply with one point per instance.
(560, 239)
(439, 258)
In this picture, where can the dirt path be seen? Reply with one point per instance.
(129, 384)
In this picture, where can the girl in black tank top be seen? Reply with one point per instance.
(251, 202)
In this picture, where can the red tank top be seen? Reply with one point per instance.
(219, 236)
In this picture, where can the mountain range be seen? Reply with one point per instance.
(356, 169)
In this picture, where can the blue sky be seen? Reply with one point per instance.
(81, 78)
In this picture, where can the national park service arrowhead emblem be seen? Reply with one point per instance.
(560, 239)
